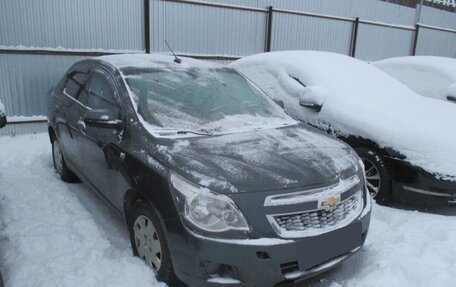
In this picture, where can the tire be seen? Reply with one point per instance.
(59, 163)
(378, 177)
(146, 230)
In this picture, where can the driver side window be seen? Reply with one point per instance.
(101, 94)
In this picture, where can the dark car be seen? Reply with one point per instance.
(405, 141)
(3, 120)
(216, 183)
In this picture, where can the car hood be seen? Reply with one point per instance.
(261, 160)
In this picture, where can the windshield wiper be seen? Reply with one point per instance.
(202, 132)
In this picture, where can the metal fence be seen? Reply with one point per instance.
(39, 40)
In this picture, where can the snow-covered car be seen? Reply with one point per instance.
(429, 76)
(3, 120)
(217, 184)
(406, 141)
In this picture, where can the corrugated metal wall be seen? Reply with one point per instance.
(118, 25)
(373, 10)
(28, 128)
(440, 18)
(376, 43)
(437, 43)
(82, 24)
(25, 80)
(295, 32)
(195, 29)
(243, 33)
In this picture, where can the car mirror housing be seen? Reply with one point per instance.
(102, 118)
(313, 98)
(313, 106)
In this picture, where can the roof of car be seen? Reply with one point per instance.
(155, 61)
(442, 64)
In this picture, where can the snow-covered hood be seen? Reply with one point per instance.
(359, 99)
(263, 160)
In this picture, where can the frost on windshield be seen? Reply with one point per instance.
(199, 99)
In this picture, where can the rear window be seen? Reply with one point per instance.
(75, 84)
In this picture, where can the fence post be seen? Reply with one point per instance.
(269, 30)
(415, 39)
(354, 37)
(147, 25)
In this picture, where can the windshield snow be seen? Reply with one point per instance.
(202, 99)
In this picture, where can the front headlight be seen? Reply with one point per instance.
(206, 210)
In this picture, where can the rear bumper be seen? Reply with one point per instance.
(414, 185)
(202, 261)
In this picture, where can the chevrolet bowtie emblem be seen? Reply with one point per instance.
(330, 202)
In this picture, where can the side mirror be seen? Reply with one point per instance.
(3, 121)
(309, 105)
(102, 118)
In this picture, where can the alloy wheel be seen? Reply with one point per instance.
(373, 178)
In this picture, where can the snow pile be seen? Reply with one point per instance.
(359, 99)
(55, 235)
(48, 237)
(426, 75)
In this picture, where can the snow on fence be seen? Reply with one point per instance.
(40, 40)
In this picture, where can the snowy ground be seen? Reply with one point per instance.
(57, 234)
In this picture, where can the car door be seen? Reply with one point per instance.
(70, 107)
(99, 142)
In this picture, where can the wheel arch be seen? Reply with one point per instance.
(130, 198)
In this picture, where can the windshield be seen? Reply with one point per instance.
(213, 99)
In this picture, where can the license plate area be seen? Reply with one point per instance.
(316, 250)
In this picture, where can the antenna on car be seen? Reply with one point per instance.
(176, 58)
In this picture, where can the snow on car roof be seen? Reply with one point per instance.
(155, 61)
(444, 65)
(426, 75)
(360, 100)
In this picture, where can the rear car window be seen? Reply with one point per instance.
(75, 84)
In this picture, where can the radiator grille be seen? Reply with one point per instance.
(319, 221)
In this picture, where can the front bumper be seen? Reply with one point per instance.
(202, 261)
(412, 184)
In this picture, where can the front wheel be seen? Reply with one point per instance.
(378, 178)
(148, 241)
